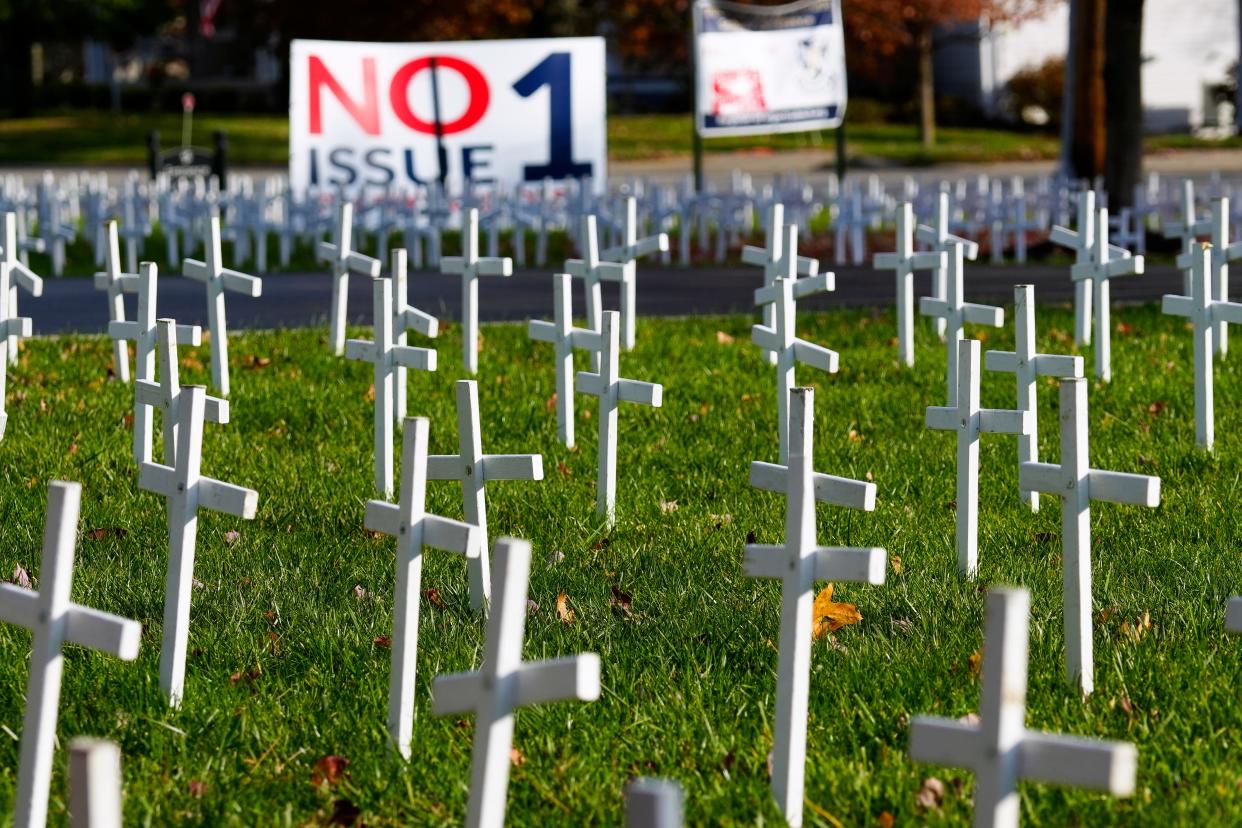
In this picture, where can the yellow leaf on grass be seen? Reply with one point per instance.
(563, 611)
(829, 615)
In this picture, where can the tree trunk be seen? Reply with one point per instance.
(1123, 91)
(16, 73)
(1087, 152)
(927, 88)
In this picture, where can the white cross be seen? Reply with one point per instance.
(1222, 254)
(798, 563)
(475, 469)
(564, 338)
(611, 390)
(653, 803)
(385, 356)
(1233, 615)
(782, 340)
(112, 281)
(94, 784)
(14, 274)
(54, 622)
(1082, 242)
(1078, 484)
(405, 318)
(942, 241)
(1207, 314)
(1188, 229)
(969, 421)
(956, 313)
(504, 683)
(1099, 271)
(905, 261)
(777, 259)
(186, 490)
(1025, 364)
(218, 279)
(999, 748)
(344, 260)
(592, 272)
(409, 523)
(627, 253)
(470, 267)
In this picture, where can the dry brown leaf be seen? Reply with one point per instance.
(620, 601)
(22, 578)
(551, 403)
(232, 536)
(103, 532)
(371, 393)
(884, 819)
(667, 506)
(563, 469)
(976, 662)
(516, 757)
(360, 593)
(382, 641)
(433, 597)
(829, 615)
(328, 771)
(931, 794)
(723, 338)
(563, 610)
(895, 563)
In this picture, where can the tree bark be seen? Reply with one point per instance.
(16, 73)
(1123, 91)
(927, 88)
(1087, 152)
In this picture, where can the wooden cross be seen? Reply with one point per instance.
(186, 490)
(1206, 314)
(219, 279)
(94, 784)
(1025, 364)
(54, 622)
(505, 683)
(112, 280)
(612, 390)
(957, 313)
(344, 261)
(592, 272)
(405, 318)
(564, 338)
(998, 747)
(905, 261)
(628, 253)
(14, 274)
(475, 469)
(408, 522)
(470, 267)
(783, 341)
(653, 803)
(970, 421)
(385, 356)
(1107, 262)
(1082, 242)
(798, 563)
(1077, 484)
(777, 259)
(942, 241)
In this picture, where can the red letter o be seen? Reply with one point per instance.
(398, 92)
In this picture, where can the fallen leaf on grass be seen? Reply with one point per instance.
(723, 338)
(370, 397)
(433, 597)
(976, 662)
(563, 469)
(328, 771)
(555, 557)
(551, 403)
(197, 788)
(930, 795)
(1124, 329)
(256, 362)
(232, 536)
(830, 615)
(360, 593)
(563, 611)
(105, 531)
(620, 601)
(667, 506)
(250, 676)
(516, 757)
(884, 819)
(1138, 629)
(1155, 408)
(382, 641)
(21, 577)
(194, 363)
(531, 606)
(895, 563)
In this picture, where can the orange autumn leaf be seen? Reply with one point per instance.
(563, 611)
(829, 615)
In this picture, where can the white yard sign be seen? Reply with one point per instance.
(363, 114)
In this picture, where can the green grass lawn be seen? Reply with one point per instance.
(285, 669)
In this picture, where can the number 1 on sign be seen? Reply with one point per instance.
(553, 72)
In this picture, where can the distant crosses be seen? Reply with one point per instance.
(94, 784)
(627, 253)
(1187, 228)
(405, 318)
(612, 390)
(385, 357)
(1102, 268)
(653, 803)
(1222, 254)
(798, 563)
(504, 683)
(344, 261)
(969, 421)
(475, 469)
(166, 394)
(54, 622)
(219, 279)
(409, 523)
(564, 338)
(956, 313)
(782, 340)
(1077, 484)
(1082, 242)
(942, 241)
(470, 267)
(905, 261)
(997, 747)
(1025, 364)
(1206, 314)
(777, 259)
(186, 491)
(592, 271)
(112, 280)
(15, 274)
(11, 326)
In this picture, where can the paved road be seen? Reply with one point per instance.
(298, 299)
